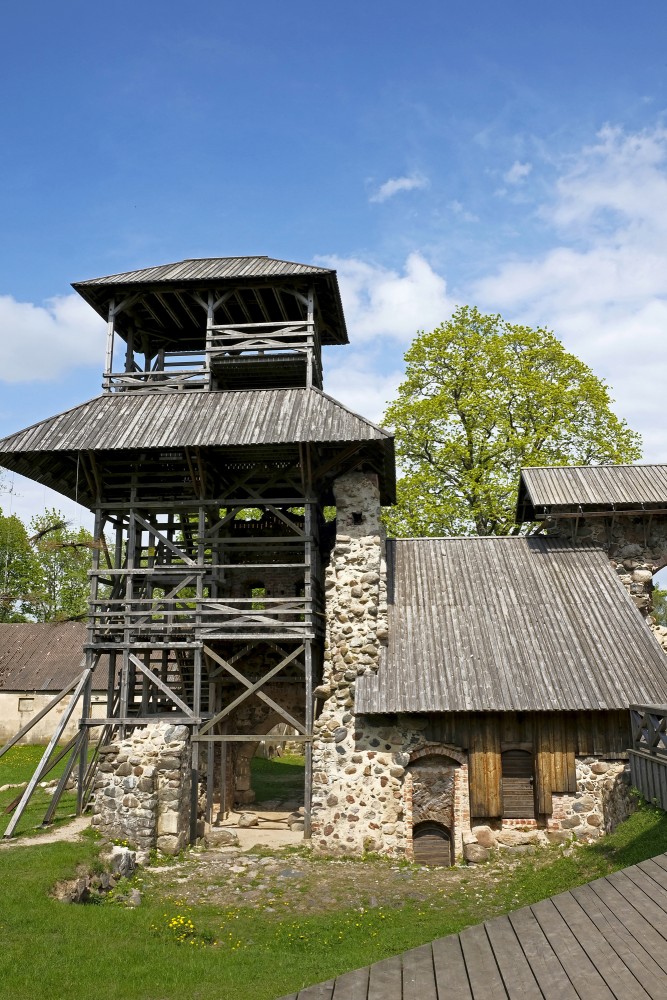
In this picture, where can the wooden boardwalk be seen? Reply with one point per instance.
(606, 940)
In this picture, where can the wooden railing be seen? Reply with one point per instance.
(648, 754)
(228, 617)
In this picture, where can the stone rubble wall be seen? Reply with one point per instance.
(357, 777)
(142, 789)
(603, 801)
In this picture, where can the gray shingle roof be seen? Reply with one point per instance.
(163, 290)
(510, 624)
(132, 421)
(207, 269)
(41, 656)
(570, 489)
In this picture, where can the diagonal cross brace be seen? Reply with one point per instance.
(254, 689)
(161, 684)
(163, 538)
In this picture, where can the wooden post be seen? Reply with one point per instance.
(311, 337)
(108, 363)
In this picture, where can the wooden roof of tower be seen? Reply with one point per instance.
(125, 423)
(259, 283)
(222, 356)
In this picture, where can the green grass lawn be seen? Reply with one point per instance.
(278, 778)
(18, 765)
(60, 951)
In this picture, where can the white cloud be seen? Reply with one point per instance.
(39, 343)
(603, 286)
(459, 209)
(356, 381)
(517, 172)
(396, 184)
(385, 304)
(28, 499)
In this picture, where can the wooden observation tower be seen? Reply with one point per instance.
(207, 461)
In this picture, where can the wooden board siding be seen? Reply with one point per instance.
(555, 738)
(485, 767)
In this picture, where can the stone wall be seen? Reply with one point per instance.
(142, 789)
(357, 786)
(603, 801)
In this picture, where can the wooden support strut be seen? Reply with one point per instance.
(41, 767)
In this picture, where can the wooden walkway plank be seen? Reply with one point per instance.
(385, 981)
(655, 892)
(486, 982)
(655, 872)
(545, 965)
(419, 974)
(638, 898)
(635, 922)
(450, 969)
(518, 978)
(609, 966)
(661, 859)
(582, 973)
(322, 991)
(352, 985)
(647, 972)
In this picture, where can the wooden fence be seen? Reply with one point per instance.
(648, 756)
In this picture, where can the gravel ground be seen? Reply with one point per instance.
(293, 882)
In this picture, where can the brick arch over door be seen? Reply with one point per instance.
(455, 755)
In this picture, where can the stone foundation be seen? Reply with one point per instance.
(142, 789)
(602, 802)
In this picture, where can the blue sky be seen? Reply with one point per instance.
(512, 155)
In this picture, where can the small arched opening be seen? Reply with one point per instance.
(432, 844)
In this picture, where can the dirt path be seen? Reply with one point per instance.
(65, 831)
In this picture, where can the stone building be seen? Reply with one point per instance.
(476, 690)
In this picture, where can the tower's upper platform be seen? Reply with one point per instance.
(217, 323)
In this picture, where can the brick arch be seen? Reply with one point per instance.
(438, 750)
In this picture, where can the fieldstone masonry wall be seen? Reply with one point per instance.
(357, 793)
(142, 789)
(602, 802)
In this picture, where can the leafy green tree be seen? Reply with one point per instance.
(659, 605)
(19, 570)
(482, 398)
(64, 556)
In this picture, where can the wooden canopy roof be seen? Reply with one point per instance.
(582, 489)
(166, 300)
(510, 624)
